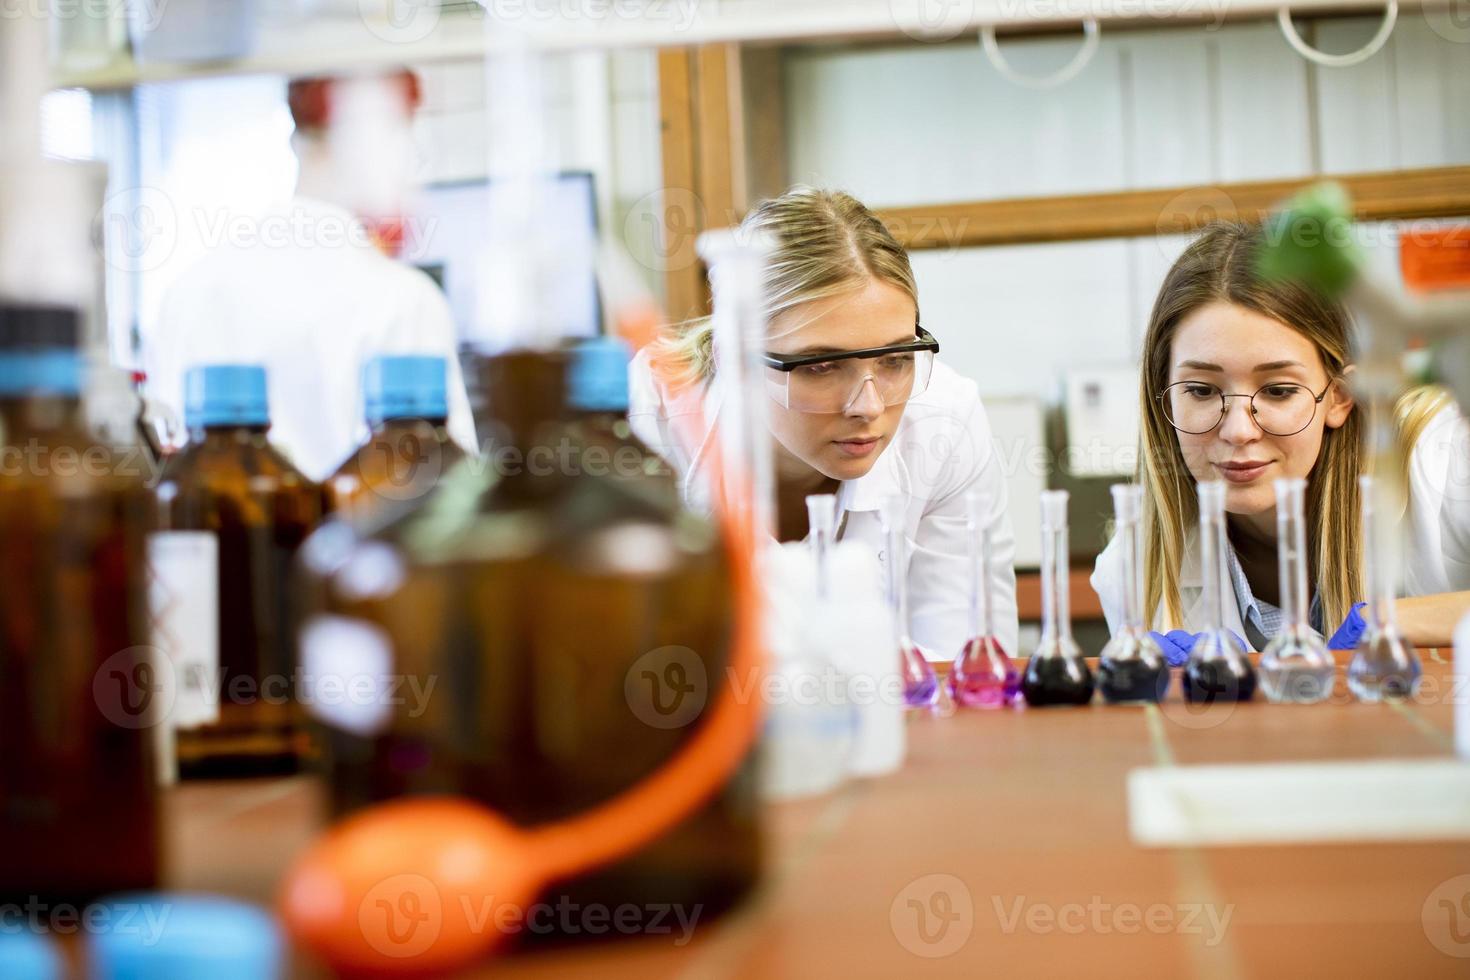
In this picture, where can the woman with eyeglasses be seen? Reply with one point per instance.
(860, 407)
(1245, 381)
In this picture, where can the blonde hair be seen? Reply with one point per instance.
(1412, 414)
(1220, 266)
(826, 243)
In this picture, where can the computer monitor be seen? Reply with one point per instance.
(449, 233)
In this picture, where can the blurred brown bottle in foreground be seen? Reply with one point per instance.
(529, 621)
(79, 688)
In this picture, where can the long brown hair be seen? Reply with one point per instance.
(1220, 265)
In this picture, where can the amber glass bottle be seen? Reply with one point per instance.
(539, 599)
(408, 446)
(78, 811)
(597, 394)
(237, 510)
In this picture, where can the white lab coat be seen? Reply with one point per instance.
(941, 449)
(1454, 523)
(1428, 567)
(310, 305)
(1107, 582)
(1439, 507)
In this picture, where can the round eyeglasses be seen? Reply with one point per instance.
(1281, 408)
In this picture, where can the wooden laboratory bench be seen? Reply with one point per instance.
(1025, 810)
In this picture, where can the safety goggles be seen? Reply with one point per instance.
(828, 383)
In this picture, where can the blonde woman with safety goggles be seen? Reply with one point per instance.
(860, 406)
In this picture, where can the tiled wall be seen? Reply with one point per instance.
(934, 123)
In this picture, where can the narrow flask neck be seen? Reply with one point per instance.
(982, 617)
(1130, 540)
(1291, 550)
(1378, 564)
(1214, 580)
(1056, 612)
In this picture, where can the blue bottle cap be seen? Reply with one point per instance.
(28, 956)
(225, 394)
(399, 386)
(54, 371)
(182, 937)
(598, 381)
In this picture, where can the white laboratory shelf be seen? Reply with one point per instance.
(325, 44)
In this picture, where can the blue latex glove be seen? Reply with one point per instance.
(1176, 645)
(1351, 630)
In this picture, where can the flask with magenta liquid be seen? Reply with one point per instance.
(1384, 666)
(1057, 673)
(982, 676)
(920, 685)
(1296, 665)
(1218, 668)
(1132, 668)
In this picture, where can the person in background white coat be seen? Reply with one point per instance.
(893, 421)
(1454, 529)
(313, 296)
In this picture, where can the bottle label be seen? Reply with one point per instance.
(184, 600)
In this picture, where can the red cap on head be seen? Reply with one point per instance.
(310, 99)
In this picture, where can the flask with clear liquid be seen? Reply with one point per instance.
(1131, 668)
(920, 685)
(1057, 673)
(983, 675)
(1218, 667)
(1296, 665)
(1384, 665)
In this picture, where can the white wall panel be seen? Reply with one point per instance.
(1455, 69)
(1356, 106)
(1262, 120)
(1422, 85)
(1015, 317)
(1171, 132)
(937, 123)
(1060, 141)
(890, 126)
(1432, 59)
